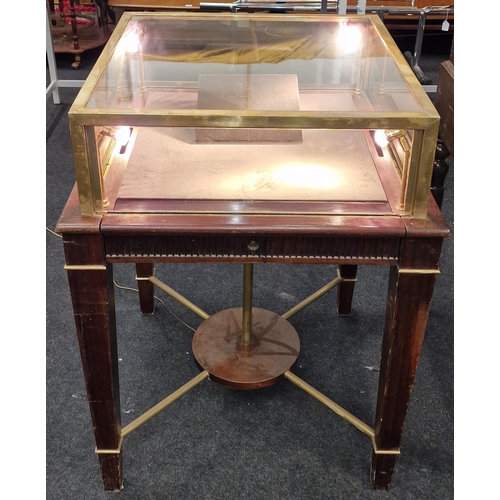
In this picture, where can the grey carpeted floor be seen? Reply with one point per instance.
(214, 443)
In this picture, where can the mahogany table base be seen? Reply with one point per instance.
(92, 245)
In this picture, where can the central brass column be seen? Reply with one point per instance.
(246, 325)
(246, 347)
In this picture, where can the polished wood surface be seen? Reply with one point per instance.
(346, 288)
(145, 287)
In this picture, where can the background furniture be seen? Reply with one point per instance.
(54, 82)
(77, 27)
(401, 17)
(444, 101)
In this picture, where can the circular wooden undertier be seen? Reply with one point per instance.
(273, 350)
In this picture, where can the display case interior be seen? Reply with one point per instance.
(221, 113)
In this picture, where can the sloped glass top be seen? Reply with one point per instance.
(279, 63)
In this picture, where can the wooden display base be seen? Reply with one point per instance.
(93, 246)
(273, 349)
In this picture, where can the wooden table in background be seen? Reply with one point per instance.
(71, 37)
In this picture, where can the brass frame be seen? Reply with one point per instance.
(177, 296)
(164, 403)
(82, 120)
(88, 267)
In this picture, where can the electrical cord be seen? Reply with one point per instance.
(121, 287)
(53, 232)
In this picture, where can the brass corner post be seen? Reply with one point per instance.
(163, 404)
(360, 425)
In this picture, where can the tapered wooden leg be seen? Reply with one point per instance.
(111, 471)
(146, 288)
(92, 293)
(411, 285)
(346, 288)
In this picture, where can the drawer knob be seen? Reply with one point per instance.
(253, 246)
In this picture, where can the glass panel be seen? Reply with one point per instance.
(181, 63)
(155, 169)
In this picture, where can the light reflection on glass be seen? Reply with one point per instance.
(349, 38)
(130, 42)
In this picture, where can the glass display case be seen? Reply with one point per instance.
(231, 113)
(251, 139)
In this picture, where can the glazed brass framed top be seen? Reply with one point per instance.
(196, 92)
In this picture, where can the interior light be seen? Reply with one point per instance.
(381, 138)
(122, 135)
